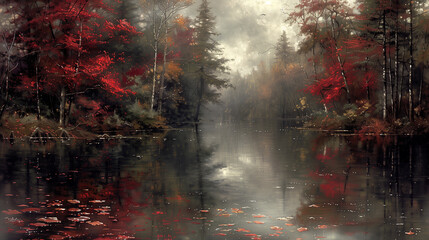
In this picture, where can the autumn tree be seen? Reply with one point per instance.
(67, 37)
(161, 13)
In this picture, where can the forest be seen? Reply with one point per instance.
(110, 65)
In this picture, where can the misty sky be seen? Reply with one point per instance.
(249, 29)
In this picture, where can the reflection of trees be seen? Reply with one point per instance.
(384, 185)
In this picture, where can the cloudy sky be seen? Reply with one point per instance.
(249, 28)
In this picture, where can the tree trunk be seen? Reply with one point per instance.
(7, 76)
(343, 73)
(396, 101)
(38, 92)
(155, 67)
(384, 68)
(200, 97)
(411, 74)
(161, 88)
(62, 106)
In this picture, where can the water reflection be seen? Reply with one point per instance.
(243, 181)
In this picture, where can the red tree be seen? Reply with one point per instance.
(68, 37)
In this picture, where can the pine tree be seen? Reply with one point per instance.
(284, 52)
(208, 60)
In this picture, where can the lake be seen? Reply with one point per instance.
(220, 181)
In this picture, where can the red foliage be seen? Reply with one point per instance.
(67, 35)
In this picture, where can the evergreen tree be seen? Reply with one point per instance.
(284, 53)
(208, 61)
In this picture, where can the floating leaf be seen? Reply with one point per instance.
(259, 216)
(236, 210)
(39, 224)
(74, 210)
(258, 222)
(79, 219)
(242, 230)
(11, 212)
(95, 223)
(73, 201)
(31, 210)
(276, 228)
(322, 227)
(302, 229)
(410, 233)
(49, 220)
(220, 234)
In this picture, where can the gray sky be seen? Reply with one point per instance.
(249, 28)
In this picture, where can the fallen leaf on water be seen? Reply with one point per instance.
(302, 229)
(97, 201)
(204, 211)
(259, 216)
(314, 206)
(73, 201)
(220, 234)
(227, 225)
(236, 210)
(258, 222)
(11, 212)
(410, 233)
(39, 224)
(276, 228)
(49, 220)
(95, 223)
(242, 230)
(225, 215)
(125, 237)
(274, 235)
(79, 219)
(74, 210)
(289, 224)
(30, 210)
(322, 227)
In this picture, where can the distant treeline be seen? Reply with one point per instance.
(365, 62)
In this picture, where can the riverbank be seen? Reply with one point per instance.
(29, 127)
(365, 125)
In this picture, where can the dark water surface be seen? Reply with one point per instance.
(242, 181)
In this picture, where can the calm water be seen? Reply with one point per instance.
(243, 181)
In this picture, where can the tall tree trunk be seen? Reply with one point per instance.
(161, 88)
(155, 67)
(38, 88)
(340, 61)
(396, 101)
(411, 72)
(315, 76)
(384, 68)
(422, 79)
(7, 76)
(77, 69)
(200, 97)
(62, 106)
